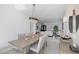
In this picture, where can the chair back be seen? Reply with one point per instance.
(41, 42)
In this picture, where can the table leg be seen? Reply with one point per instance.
(24, 50)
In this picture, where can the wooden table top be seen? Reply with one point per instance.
(22, 43)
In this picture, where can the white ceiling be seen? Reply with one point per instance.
(47, 12)
(52, 12)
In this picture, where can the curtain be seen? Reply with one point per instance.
(77, 22)
(70, 24)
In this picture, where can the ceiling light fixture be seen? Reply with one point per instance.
(33, 17)
(20, 7)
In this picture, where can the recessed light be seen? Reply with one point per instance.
(20, 7)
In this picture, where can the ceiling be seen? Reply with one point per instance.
(52, 12)
(47, 12)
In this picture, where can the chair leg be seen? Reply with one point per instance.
(44, 47)
(42, 50)
(46, 44)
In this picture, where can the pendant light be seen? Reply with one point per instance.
(33, 17)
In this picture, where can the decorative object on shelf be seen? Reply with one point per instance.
(66, 37)
(33, 17)
(43, 28)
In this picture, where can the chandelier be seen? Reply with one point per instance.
(33, 17)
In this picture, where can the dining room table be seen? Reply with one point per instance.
(23, 45)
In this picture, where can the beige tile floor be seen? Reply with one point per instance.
(58, 46)
(64, 48)
(52, 46)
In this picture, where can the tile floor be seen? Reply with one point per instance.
(64, 47)
(52, 46)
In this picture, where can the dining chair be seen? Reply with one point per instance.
(39, 46)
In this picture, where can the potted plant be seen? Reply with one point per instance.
(55, 30)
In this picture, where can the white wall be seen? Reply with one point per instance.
(12, 22)
(39, 27)
(50, 25)
(69, 10)
(66, 25)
